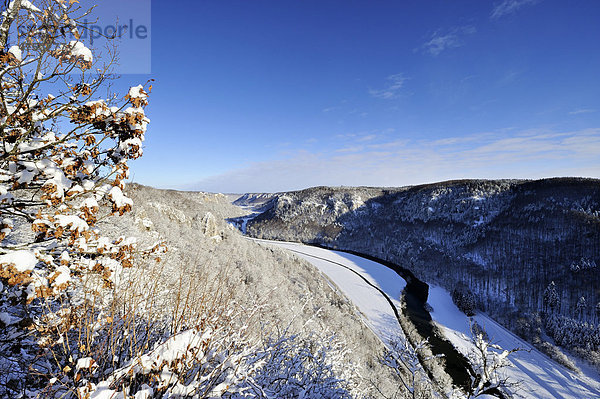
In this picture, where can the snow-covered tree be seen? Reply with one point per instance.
(403, 359)
(64, 150)
(64, 155)
(582, 264)
(551, 298)
(464, 299)
(489, 362)
(575, 267)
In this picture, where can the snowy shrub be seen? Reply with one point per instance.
(63, 159)
(204, 361)
(403, 359)
(489, 361)
(557, 355)
(296, 367)
(593, 357)
(478, 330)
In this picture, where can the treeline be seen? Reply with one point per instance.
(572, 333)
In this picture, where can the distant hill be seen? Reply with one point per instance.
(504, 240)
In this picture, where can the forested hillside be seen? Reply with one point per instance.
(220, 310)
(518, 248)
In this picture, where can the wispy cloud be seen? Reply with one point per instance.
(329, 109)
(510, 6)
(389, 145)
(452, 38)
(364, 136)
(533, 154)
(510, 77)
(393, 89)
(369, 137)
(582, 111)
(350, 149)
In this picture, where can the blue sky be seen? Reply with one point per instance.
(279, 95)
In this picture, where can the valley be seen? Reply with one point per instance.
(455, 235)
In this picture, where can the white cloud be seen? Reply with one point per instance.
(582, 111)
(396, 83)
(408, 162)
(369, 137)
(510, 6)
(388, 145)
(440, 41)
(437, 44)
(350, 149)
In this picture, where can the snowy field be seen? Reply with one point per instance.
(378, 313)
(540, 376)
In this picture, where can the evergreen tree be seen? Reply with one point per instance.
(551, 298)
(464, 299)
(581, 306)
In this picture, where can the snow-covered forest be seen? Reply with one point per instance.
(524, 251)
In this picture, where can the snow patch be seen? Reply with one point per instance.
(23, 261)
(117, 196)
(16, 52)
(79, 51)
(137, 92)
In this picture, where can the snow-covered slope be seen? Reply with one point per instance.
(214, 313)
(357, 278)
(294, 296)
(539, 376)
(504, 241)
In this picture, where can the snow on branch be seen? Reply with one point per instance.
(64, 157)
